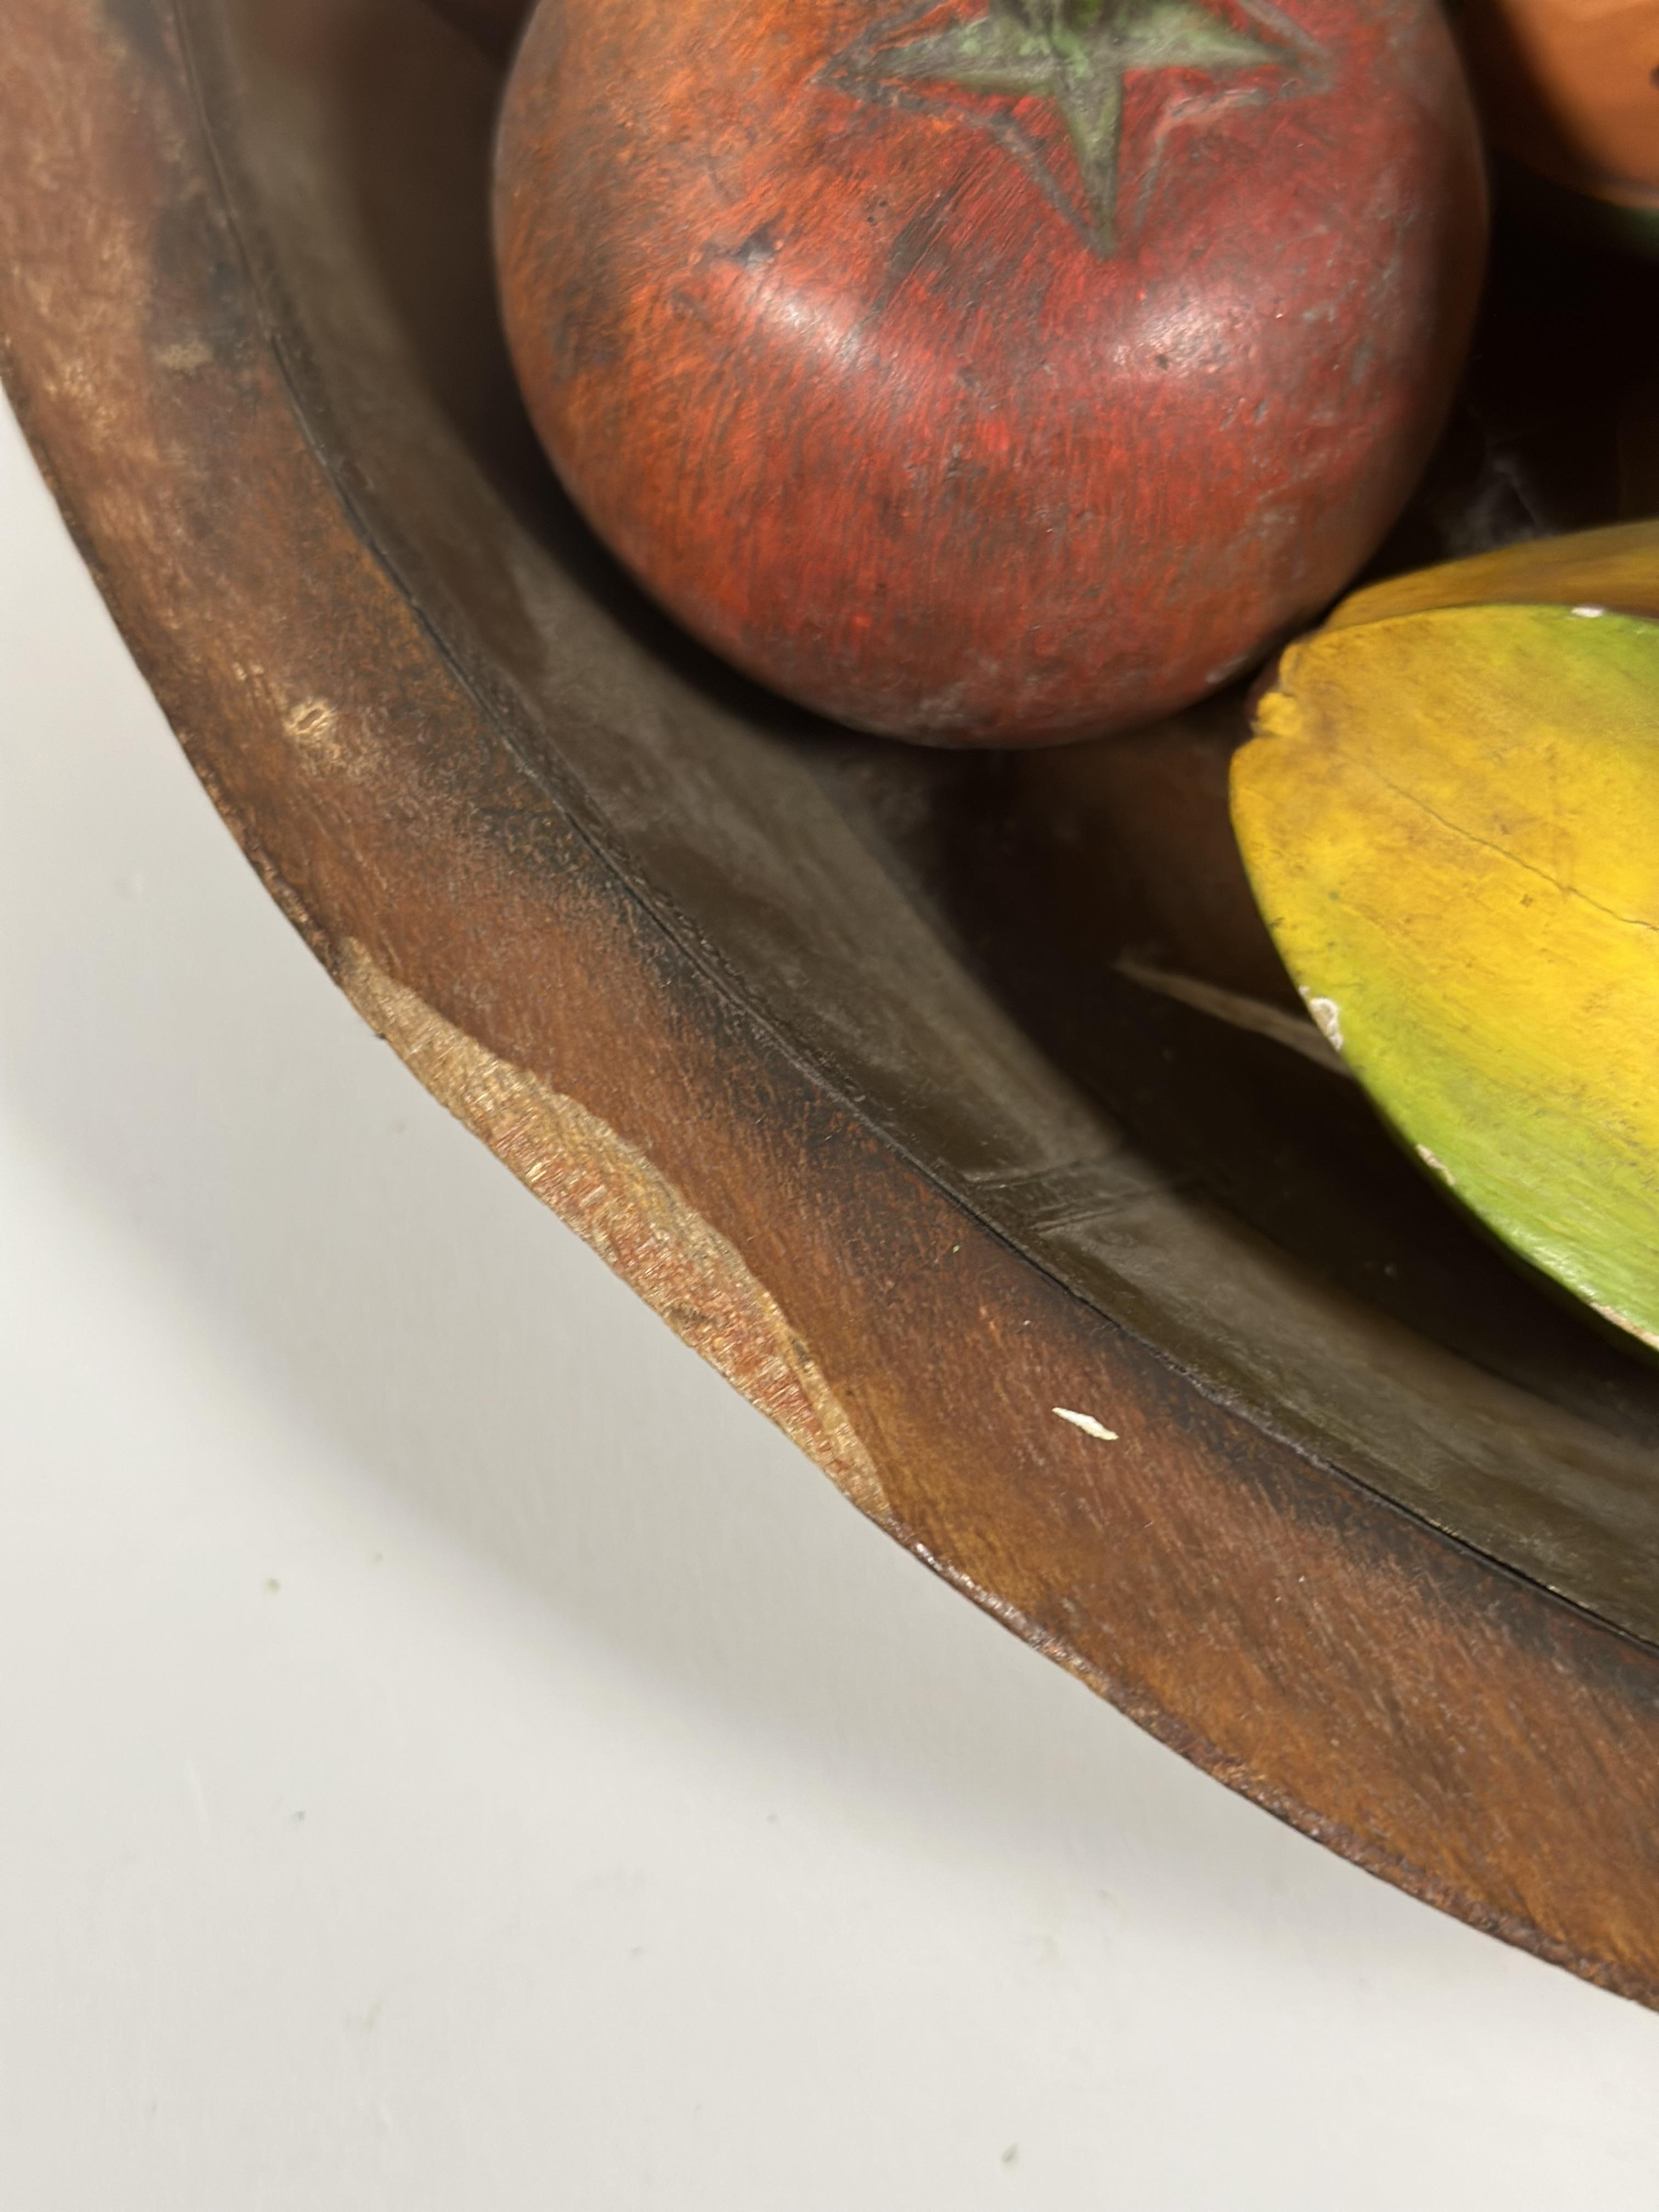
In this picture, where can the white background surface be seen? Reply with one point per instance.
(455, 1757)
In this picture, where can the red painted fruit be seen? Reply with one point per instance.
(989, 371)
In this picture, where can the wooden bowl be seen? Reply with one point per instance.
(1129, 1321)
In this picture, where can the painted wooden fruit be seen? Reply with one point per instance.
(1569, 91)
(989, 371)
(1450, 818)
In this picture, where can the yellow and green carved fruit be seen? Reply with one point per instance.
(1449, 813)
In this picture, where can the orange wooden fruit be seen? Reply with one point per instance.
(1570, 90)
(989, 371)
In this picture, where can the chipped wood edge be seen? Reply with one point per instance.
(629, 1212)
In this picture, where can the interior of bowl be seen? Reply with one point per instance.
(1040, 975)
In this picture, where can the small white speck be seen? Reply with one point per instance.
(314, 726)
(1328, 1016)
(1439, 1166)
(1087, 1423)
(1589, 614)
(183, 360)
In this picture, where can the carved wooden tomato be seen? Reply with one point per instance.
(989, 371)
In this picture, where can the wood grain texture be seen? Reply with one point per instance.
(183, 338)
(639, 1224)
(980, 381)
